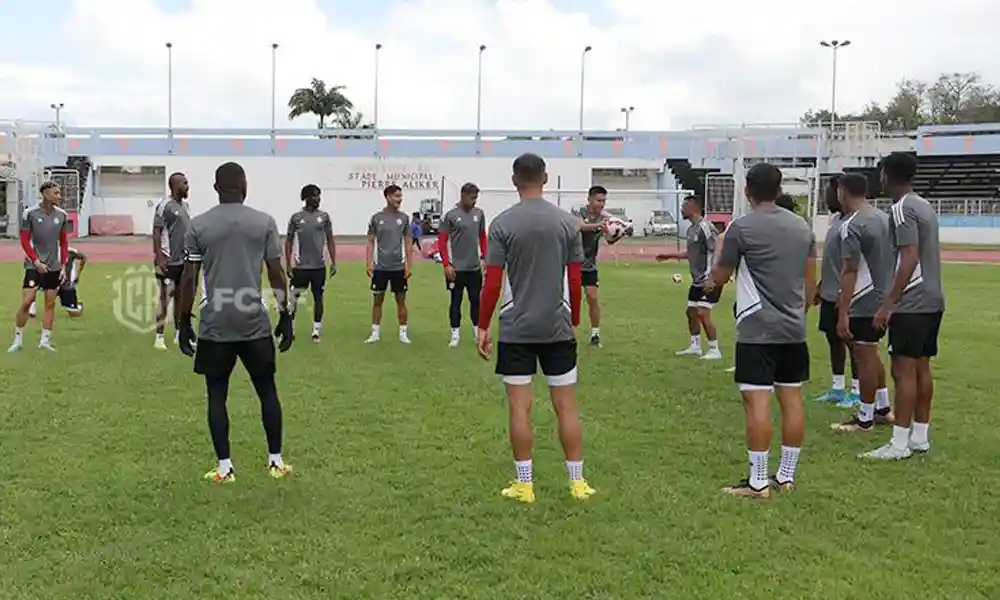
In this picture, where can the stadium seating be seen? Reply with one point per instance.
(689, 177)
(965, 177)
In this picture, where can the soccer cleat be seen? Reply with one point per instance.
(712, 354)
(689, 351)
(46, 345)
(779, 486)
(404, 339)
(743, 489)
(888, 452)
(853, 425)
(215, 476)
(884, 417)
(15, 346)
(454, 342)
(278, 472)
(731, 370)
(315, 337)
(595, 340)
(159, 344)
(522, 491)
(372, 339)
(832, 396)
(580, 490)
(850, 400)
(919, 447)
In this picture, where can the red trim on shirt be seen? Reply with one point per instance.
(490, 296)
(26, 246)
(482, 244)
(575, 277)
(63, 247)
(443, 248)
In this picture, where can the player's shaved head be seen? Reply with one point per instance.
(529, 171)
(231, 182)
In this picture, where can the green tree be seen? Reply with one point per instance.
(326, 103)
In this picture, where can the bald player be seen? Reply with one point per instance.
(592, 228)
(462, 245)
(170, 225)
(309, 231)
(45, 241)
(534, 254)
(233, 243)
(773, 253)
(389, 256)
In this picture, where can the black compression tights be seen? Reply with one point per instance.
(218, 415)
(839, 353)
(455, 306)
(317, 304)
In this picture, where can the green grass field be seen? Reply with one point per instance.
(400, 453)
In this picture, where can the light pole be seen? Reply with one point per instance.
(479, 91)
(583, 73)
(170, 86)
(628, 114)
(274, 85)
(835, 46)
(377, 48)
(58, 108)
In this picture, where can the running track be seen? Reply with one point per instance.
(139, 251)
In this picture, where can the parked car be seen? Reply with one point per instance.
(620, 213)
(660, 223)
(430, 215)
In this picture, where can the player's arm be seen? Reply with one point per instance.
(193, 253)
(729, 253)
(331, 243)
(25, 237)
(408, 245)
(64, 232)
(574, 275)
(81, 259)
(290, 241)
(275, 272)
(370, 246)
(496, 259)
(850, 247)
(158, 225)
(482, 237)
(811, 283)
(907, 240)
(443, 232)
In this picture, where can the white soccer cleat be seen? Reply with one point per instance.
(404, 339)
(919, 447)
(689, 351)
(888, 452)
(454, 341)
(712, 354)
(46, 346)
(372, 339)
(159, 344)
(15, 346)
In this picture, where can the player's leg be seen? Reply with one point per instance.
(215, 361)
(704, 312)
(162, 300)
(69, 300)
(380, 284)
(756, 366)
(474, 289)
(558, 363)
(317, 284)
(455, 290)
(925, 385)
(50, 291)
(29, 289)
(854, 396)
(516, 364)
(399, 286)
(865, 350)
(694, 324)
(33, 309)
(173, 294)
(258, 358)
(791, 374)
(590, 291)
(838, 354)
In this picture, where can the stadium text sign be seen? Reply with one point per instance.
(135, 299)
(377, 176)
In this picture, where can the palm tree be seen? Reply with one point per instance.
(321, 101)
(351, 120)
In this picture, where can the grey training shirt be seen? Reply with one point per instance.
(308, 230)
(391, 229)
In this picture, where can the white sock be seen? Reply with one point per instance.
(758, 470)
(18, 333)
(595, 331)
(317, 327)
(225, 466)
(46, 334)
(855, 387)
(696, 342)
(882, 399)
(275, 459)
(402, 330)
(866, 412)
(159, 336)
(789, 460)
(574, 468)
(455, 332)
(713, 344)
(838, 382)
(523, 470)
(900, 436)
(376, 329)
(919, 435)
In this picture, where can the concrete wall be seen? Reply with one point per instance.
(953, 229)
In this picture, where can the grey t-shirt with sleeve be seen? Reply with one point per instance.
(173, 219)
(864, 235)
(232, 242)
(44, 230)
(914, 223)
(534, 241)
(464, 228)
(701, 242)
(308, 230)
(829, 286)
(769, 248)
(591, 240)
(391, 229)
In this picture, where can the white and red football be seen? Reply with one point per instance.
(614, 230)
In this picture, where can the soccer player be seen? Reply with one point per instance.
(463, 228)
(233, 243)
(170, 224)
(534, 256)
(416, 230)
(702, 238)
(68, 295)
(592, 230)
(308, 231)
(827, 294)
(774, 255)
(865, 275)
(45, 242)
(912, 309)
(389, 257)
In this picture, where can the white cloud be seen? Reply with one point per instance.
(678, 63)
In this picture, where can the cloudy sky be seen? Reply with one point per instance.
(678, 63)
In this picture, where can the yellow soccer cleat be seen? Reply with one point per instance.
(215, 476)
(580, 490)
(522, 491)
(278, 472)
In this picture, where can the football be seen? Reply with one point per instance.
(614, 230)
(677, 278)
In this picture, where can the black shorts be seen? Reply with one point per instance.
(171, 273)
(697, 297)
(863, 330)
(523, 360)
(589, 278)
(828, 317)
(69, 299)
(33, 280)
(303, 279)
(914, 335)
(466, 280)
(384, 280)
(766, 365)
(218, 359)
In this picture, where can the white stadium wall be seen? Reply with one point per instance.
(947, 235)
(351, 186)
